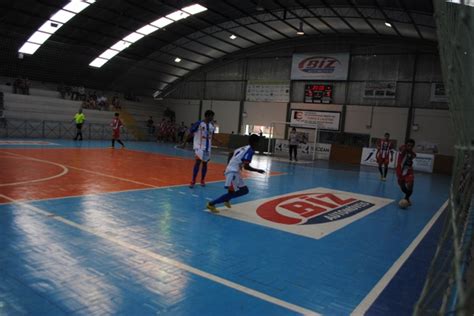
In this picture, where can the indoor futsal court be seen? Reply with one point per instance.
(93, 230)
(236, 157)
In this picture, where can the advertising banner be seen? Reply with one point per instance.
(320, 66)
(325, 120)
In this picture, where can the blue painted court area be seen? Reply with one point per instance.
(156, 251)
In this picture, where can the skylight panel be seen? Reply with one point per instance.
(162, 22)
(76, 6)
(194, 9)
(39, 37)
(50, 27)
(133, 37)
(109, 53)
(62, 16)
(147, 29)
(53, 24)
(177, 15)
(29, 48)
(121, 45)
(98, 62)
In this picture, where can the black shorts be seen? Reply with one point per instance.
(79, 126)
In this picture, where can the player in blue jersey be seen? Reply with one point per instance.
(234, 183)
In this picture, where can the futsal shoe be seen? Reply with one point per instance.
(203, 183)
(191, 185)
(384, 179)
(227, 204)
(212, 208)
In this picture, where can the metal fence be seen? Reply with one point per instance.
(14, 128)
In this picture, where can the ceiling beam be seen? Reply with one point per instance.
(354, 6)
(299, 17)
(254, 18)
(402, 4)
(387, 19)
(316, 17)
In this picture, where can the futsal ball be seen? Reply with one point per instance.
(403, 203)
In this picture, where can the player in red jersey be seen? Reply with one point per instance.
(405, 174)
(116, 125)
(384, 155)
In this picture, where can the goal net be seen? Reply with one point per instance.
(449, 286)
(307, 136)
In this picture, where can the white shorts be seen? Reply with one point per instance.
(202, 154)
(233, 179)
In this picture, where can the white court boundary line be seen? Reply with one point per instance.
(65, 170)
(370, 298)
(173, 262)
(148, 186)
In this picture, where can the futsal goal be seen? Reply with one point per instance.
(307, 134)
(449, 286)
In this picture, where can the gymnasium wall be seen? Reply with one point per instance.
(227, 114)
(413, 66)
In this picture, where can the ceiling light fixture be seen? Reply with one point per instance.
(232, 37)
(177, 60)
(388, 24)
(300, 29)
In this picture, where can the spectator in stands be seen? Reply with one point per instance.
(62, 90)
(94, 96)
(181, 131)
(74, 93)
(79, 118)
(26, 86)
(102, 103)
(151, 126)
(89, 103)
(162, 130)
(81, 91)
(17, 85)
(116, 102)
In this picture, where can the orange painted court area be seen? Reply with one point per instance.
(31, 174)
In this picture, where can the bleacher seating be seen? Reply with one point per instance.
(45, 103)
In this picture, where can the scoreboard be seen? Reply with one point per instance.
(318, 93)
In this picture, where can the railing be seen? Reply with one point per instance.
(14, 128)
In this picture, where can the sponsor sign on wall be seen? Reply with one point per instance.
(369, 158)
(305, 150)
(320, 66)
(268, 91)
(380, 89)
(325, 120)
(422, 162)
(438, 93)
(314, 213)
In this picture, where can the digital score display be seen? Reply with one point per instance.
(318, 93)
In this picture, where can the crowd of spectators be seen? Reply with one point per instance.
(101, 102)
(90, 99)
(167, 130)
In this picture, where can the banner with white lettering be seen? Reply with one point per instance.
(305, 150)
(422, 162)
(320, 66)
(369, 158)
(325, 120)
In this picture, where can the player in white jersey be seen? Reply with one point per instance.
(234, 183)
(202, 131)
